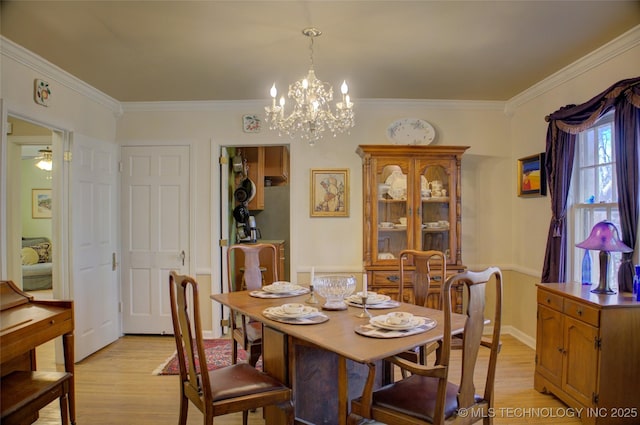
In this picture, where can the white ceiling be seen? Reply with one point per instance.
(235, 50)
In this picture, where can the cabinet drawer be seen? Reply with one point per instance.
(582, 312)
(387, 282)
(550, 300)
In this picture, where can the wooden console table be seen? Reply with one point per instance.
(588, 351)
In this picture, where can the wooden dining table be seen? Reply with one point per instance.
(326, 364)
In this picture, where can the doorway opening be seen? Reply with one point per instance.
(257, 198)
(31, 187)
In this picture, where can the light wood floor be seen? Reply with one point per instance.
(116, 386)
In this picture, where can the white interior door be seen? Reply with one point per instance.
(94, 235)
(155, 233)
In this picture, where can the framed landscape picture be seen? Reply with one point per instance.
(41, 203)
(330, 192)
(531, 176)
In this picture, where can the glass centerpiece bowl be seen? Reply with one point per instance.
(334, 288)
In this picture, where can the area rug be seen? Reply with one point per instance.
(218, 352)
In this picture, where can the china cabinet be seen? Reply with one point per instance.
(412, 200)
(587, 352)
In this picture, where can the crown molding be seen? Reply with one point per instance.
(36, 63)
(214, 105)
(615, 47)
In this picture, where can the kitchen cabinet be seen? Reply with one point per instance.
(587, 351)
(412, 200)
(266, 162)
(276, 164)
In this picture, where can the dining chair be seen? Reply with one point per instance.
(427, 396)
(234, 388)
(244, 332)
(429, 265)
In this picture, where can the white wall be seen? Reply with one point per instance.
(336, 243)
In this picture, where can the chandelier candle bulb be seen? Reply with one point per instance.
(274, 93)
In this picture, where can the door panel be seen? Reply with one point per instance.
(580, 370)
(93, 220)
(549, 341)
(155, 226)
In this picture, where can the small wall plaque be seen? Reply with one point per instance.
(41, 92)
(251, 123)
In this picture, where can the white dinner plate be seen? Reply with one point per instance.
(282, 287)
(376, 299)
(279, 312)
(381, 322)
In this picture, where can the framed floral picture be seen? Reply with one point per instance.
(251, 123)
(531, 176)
(41, 203)
(330, 192)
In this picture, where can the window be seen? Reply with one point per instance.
(594, 194)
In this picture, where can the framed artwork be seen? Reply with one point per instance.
(531, 176)
(41, 203)
(330, 192)
(251, 123)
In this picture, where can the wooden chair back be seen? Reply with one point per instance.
(427, 396)
(246, 333)
(252, 278)
(475, 283)
(235, 388)
(429, 265)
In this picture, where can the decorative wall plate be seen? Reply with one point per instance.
(411, 131)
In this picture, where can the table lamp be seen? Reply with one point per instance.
(604, 238)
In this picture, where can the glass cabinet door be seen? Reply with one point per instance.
(436, 209)
(392, 194)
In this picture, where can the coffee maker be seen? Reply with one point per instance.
(254, 232)
(246, 229)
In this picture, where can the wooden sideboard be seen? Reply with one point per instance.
(588, 352)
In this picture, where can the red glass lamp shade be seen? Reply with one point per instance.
(604, 238)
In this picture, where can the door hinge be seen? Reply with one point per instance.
(67, 156)
(120, 307)
(594, 398)
(223, 242)
(120, 166)
(535, 359)
(597, 343)
(223, 160)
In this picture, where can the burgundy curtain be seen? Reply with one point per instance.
(627, 139)
(564, 126)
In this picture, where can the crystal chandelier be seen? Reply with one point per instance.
(312, 113)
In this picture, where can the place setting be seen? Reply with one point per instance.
(373, 300)
(280, 289)
(395, 324)
(295, 314)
